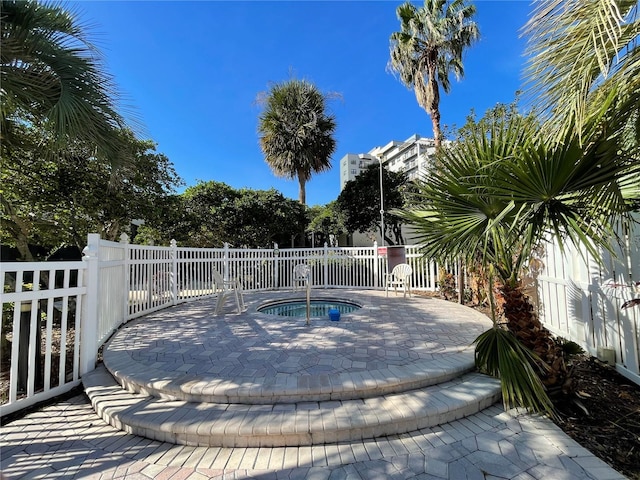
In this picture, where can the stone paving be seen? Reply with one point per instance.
(390, 344)
(383, 344)
(67, 440)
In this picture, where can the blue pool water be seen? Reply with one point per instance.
(298, 308)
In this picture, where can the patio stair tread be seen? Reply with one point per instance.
(287, 424)
(290, 389)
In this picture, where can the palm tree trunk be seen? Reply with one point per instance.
(434, 108)
(523, 322)
(302, 193)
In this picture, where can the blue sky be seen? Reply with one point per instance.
(190, 72)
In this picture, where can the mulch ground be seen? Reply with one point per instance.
(604, 415)
(608, 421)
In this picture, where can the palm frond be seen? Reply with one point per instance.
(499, 353)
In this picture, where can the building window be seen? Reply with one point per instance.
(354, 171)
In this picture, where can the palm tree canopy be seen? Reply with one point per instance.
(51, 74)
(296, 131)
(429, 47)
(581, 53)
(503, 191)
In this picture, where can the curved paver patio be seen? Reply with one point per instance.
(390, 344)
(67, 440)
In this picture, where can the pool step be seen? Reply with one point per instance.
(349, 385)
(287, 424)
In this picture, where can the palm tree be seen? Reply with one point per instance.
(296, 132)
(496, 197)
(428, 47)
(52, 75)
(582, 54)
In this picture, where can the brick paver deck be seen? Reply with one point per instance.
(388, 347)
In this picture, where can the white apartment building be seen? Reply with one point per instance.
(411, 156)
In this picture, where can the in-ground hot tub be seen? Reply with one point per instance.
(298, 307)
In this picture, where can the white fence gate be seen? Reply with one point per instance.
(581, 300)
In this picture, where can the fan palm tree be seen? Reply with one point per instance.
(428, 47)
(580, 55)
(52, 75)
(497, 196)
(296, 131)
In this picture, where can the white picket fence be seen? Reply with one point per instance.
(78, 305)
(581, 300)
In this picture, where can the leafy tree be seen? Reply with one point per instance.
(265, 217)
(428, 47)
(359, 202)
(325, 223)
(57, 201)
(215, 213)
(296, 131)
(498, 194)
(207, 210)
(52, 75)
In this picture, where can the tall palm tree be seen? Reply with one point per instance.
(296, 131)
(429, 47)
(52, 75)
(496, 196)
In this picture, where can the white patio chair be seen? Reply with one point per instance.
(301, 274)
(400, 277)
(225, 288)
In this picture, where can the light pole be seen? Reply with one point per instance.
(381, 203)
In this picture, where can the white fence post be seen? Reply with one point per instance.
(326, 266)
(124, 240)
(174, 272)
(225, 265)
(276, 266)
(89, 321)
(376, 267)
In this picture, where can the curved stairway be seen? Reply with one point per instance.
(186, 377)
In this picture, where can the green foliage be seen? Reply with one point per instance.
(429, 47)
(51, 202)
(499, 191)
(53, 76)
(581, 55)
(503, 187)
(500, 354)
(569, 347)
(295, 130)
(326, 223)
(359, 202)
(213, 213)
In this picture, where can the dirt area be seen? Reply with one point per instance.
(609, 424)
(604, 415)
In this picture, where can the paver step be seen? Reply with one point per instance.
(140, 378)
(287, 424)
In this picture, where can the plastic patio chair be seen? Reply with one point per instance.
(225, 288)
(400, 277)
(301, 274)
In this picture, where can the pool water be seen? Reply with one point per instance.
(298, 308)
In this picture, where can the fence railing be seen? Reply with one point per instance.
(61, 313)
(581, 299)
(41, 307)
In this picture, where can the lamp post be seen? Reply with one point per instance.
(381, 203)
